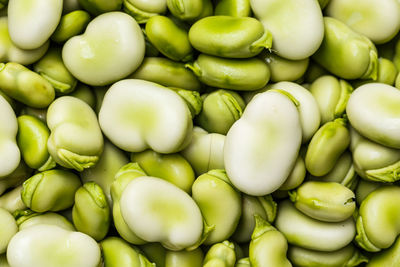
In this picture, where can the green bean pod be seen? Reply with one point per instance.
(98, 7)
(306, 232)
(219, 203)
(103, 173)
(51, 190)
(230, 37)
(283, 69)
(220, 110)
(32, 140)
(117, 252)
(76, 140)
(234, 8)
(29, 219)
(171, 167)
(52, 68)
(167, 73)
(378, 219)
(268, 246)
(91, 213)
(170, 39)
(331, 95)
(264, 206)
(142, 10)
(184, 258)
(7, 230)
(348, 256)
(235, 74)
(373, 161)
(324, 201)
(12, 53)
(70, 25)
(326, 146)
(26, 86)
(125, 174)
(9, 150)
(356, 54)
(220, 254)
(205, 151)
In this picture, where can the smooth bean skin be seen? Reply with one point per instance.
(76, 140)
(302, 34)
(373, 111)
(171, 167)
(284, 69)
(389, 257)
(156, 253)
(123, 176)
(40, 113)
(167, 73)
(11, 52)
(103, 173)
(347, 256)
(12, 201)
(296, 176)
(49, 218)
(377, 20)
(170, 39)
(70, 5)
(343, 172)
(167, 115)
(235, 74)
(91, 213)
(71, 24)
(272, 127)
(243, 262)
(308, 108)
(364, 187)
(84, 93)
(324, 201)
(268, 246)
(356, 55)
(205, 151)
(185, 9)
(7, 230)
(373, 161)
(378, 220)
(326, 146)
(219, 203)
(51, 190)
(387, 71)
(264, 206)
(98, 7)
(234, 8)
(117, 252)
(331, 95)
(314, 71)
(246, 36)
(31, 24)
(26, 86)
(49, 245)
(142, 10)
(183, 258)
(158, 211)
(121, 52)
(306, 232)
(220, 254)
(220, 110)
(9, 151)
(32, 138)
